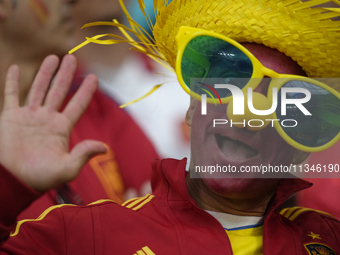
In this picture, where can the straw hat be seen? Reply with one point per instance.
(306, 31)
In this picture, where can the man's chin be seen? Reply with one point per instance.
(239, 188)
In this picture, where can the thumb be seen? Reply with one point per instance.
(83, 151)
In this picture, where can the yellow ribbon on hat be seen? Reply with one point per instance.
(307, 31)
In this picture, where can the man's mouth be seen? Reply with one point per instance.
(235, 149)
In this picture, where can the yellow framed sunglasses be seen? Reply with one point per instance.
(204, 54)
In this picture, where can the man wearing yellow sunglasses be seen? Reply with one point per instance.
(257, 46)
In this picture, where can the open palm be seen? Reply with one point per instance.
(34, 138)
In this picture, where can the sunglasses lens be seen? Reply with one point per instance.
(311, 130)
(210, 57)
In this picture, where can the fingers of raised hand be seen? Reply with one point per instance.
(42, 80)
(61, 83)
(81, 99)
(83, 151)
(12, 87)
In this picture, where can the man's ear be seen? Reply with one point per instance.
(5, 8)
(188, 117)
(299, 157)
(190, 112)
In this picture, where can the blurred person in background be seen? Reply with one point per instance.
(131, 75)
(29, 31)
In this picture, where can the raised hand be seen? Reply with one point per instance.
(34, 138)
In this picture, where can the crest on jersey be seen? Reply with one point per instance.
(319, 249)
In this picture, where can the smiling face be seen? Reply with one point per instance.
(225, 145)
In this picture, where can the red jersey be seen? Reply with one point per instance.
(107, 176)
(166, 222)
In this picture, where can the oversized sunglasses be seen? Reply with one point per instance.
(204, 54)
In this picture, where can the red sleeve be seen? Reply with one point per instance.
(48, 233)
(15, 196)
(61, 229)
(42, 236)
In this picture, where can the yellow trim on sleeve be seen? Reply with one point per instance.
(42, 216)
(293, 212)
(148, 251)
(130, 200)
(297, 213)
(135, 202)
(140, 252)
(144, 200)
(138, 202)
(145, 251)
(289, 211)
(283, 211)
(101, 201)
(143, 203)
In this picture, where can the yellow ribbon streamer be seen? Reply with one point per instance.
(138, 99)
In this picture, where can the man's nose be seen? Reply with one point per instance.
(263, 85)
(259, 101)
